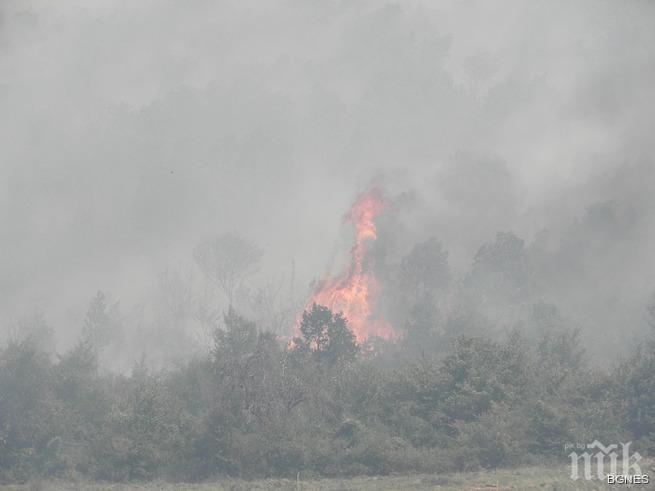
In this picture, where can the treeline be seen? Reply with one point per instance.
(485, 371)
(257, 406)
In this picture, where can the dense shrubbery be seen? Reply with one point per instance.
(255, 408)
(455, 391)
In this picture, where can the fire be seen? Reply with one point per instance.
(353, 292)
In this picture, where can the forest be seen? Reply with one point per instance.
(442, 395)
(252, 244)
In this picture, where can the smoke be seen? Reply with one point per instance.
(131, 130)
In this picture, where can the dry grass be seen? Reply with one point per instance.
(527, 478)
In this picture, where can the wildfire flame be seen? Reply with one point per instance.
(353, 292)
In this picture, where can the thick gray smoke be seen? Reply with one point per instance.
(130, 131)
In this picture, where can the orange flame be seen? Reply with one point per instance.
(353, 292)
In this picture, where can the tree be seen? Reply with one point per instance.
(272, 305)
(30, 422)
(326, 336)
(637, 394)
(246, 363)
(560, 358)
(479, 372)
(175, 289)
(236, 341)
(101, 323)
(500, 268)
(86, 405)
(227, 260)
(422, 336)
(424, 271)
(36, 329)
(423, 274)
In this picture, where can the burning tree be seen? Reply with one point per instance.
(353, 292)
(326, 335)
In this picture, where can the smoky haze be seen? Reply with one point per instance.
(132, 131)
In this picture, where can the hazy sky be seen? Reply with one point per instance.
(129, 130)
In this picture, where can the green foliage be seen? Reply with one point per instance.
(637, 389)
(326, 337)
(29, 413)
(424, 270)
(254, 407)
(102, 324)
(500, 269)
(481, 372)
(497, 438)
